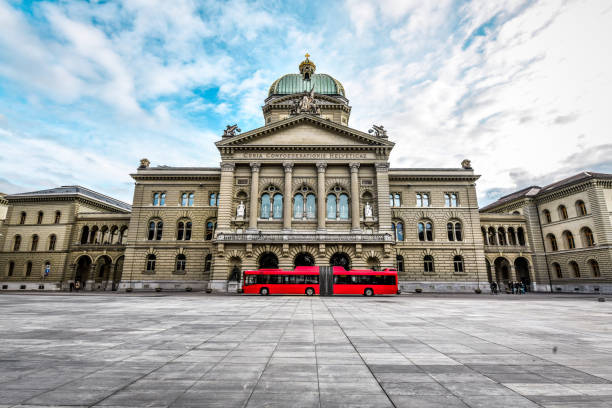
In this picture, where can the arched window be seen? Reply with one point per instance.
(511, 236)
(28, 271)
(454, 231)
(501, 236)
(450, 199)
(397, 200)
(93, 235)
(212, 199)
(398, 230)
(458, 263)
(155, 198)
(569, 240)
(184, 199)
(304, 204)
(122, 234)
(344, 206)
(277, 206)
(265, 206)
(156, 229)
(17, 243)
(34, 246)
(428, 263)
(190, 200)
(492, 236)
(11, 268)
(575, 269)
(331, 206)
(521, 236)
(552, 240)
(390, 199)
(298, 206)
(484, 235)
(162, 199)
(151, 262)
(594, 268)
(52, 242)
(211, 226)
(581, 208)
(184, 230)
(84, 234)
(58, 216)
(547, 216)
(562, 212)
(22, 218)
(208, 263)
(104, 234)
(39, 220)
(181, 263)
(516, 213)
(399, 260)
(311, 206)
(587, 237)
(425, 231)
(557, 269)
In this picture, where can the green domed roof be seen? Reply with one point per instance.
(295, 83)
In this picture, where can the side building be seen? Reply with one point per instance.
(568, 232)
(51, 238)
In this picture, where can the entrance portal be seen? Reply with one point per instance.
(340, 259)
(82, 271)
(304, 259)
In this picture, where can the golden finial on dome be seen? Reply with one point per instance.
(307, 67)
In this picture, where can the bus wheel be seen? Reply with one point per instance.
(309, 291)
(368, 292)
(264, 292)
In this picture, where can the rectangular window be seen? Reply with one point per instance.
(450, 200)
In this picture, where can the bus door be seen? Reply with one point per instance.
(326, 280)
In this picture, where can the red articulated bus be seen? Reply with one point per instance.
(315, 280)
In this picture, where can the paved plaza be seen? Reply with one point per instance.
(198, 350)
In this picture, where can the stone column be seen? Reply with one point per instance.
(287, 196)
(321, 167)
(224, 211)
(382, 185)
(355, 215)
(254, 193)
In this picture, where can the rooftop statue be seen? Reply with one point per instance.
(231, 130)
(307, 104)
(379, 131)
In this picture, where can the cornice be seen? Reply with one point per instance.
(75, 198)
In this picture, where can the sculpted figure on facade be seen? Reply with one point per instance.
(307, 104)
(240, 210)
(368, 210)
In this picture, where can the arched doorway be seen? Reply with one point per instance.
(268, 260)
(521, 265)
(117, 273)
(304, 259)
(373, 263)
(81, 273)
(103, 270)
(502, 271)
(340, 259)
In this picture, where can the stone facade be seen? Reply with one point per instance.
(569, 233)
(307, 189)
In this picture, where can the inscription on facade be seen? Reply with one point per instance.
(315, 156)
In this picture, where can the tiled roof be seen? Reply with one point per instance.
(74, 191)
(535, 191)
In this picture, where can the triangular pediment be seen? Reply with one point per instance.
(304, 130)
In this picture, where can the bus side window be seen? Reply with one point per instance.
(300, 279)
(314, 279)
(275, 279)
(251, 279)
(262, 279)
(389, 280)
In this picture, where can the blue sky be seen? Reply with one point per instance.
(87, 89)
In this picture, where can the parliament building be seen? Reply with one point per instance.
(307, 189)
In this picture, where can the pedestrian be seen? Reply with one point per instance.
(77, 285)
(511, 284)
(71, 286)
(522, 288)
(494, 288)
(517, 288)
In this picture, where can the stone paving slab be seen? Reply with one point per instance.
(247, 351)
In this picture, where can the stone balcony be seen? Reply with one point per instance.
(506, 249)
(297, 237)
